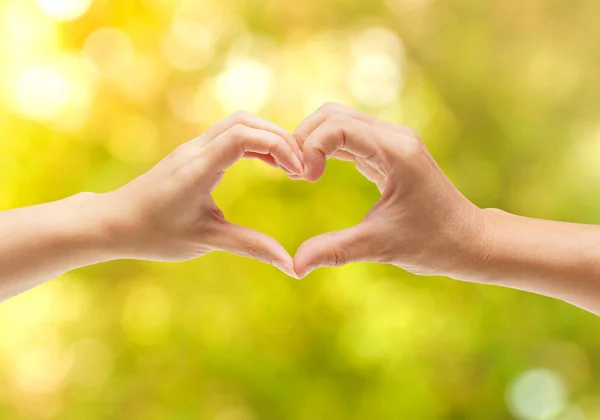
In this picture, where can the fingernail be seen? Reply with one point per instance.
(293, 170)
(298, 168)
(285, 268)
(305, 172)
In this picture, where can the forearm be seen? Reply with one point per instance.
(556, 259)
(41, 242)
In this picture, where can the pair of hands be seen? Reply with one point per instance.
(422, 223)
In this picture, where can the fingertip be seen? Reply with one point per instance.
(309, 269)
(306, 173)
(314, 164)
(305, 271)
(303, 260)
(285, 268)
(298, 167)
(312, 173)
(297, 151)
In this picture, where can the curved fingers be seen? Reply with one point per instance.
(341, 133)
(250, 120)
(313, 121)
(240, 140)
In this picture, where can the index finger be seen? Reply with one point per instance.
(314, 120)
(341, 132)
(233, 144)
(250, 120)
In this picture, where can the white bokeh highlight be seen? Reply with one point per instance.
(244, 84)
(537, 394)
(65, 10)
(375, 76)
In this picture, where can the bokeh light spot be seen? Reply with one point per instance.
(375, 77)
(41, 92)
(245, 84)
(189, 45)
(110, 50)
(537, 394)
(50, 91)
(374, 80)
(65, 9)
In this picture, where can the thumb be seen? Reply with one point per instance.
(334, 249)
(250, 243)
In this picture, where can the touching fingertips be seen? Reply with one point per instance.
(313, 167)
(307, 270)
(284, 267)
(306, 172)
(297, 165)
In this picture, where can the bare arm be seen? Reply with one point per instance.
(167, 214)
(556, 259)
(43, 241)
(423, 224)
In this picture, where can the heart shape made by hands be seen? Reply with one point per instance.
(329, 248)
(421, 222)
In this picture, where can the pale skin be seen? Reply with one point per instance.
(167, 214)
(422, 223)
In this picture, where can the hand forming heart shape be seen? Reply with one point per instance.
(421, 223)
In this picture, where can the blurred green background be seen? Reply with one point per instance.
(92, 93)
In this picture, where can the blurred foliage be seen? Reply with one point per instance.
(92, 94)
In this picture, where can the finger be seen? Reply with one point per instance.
(363, 167)
(232, 145)
(334, 249)
(250, 120)
(249, 243)
(346, 156)
(340, 132)
(268, 159)
(317, 118)
(370, 173)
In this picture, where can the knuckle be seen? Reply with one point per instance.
(241, 117)
(334, 126)
(238, 132)
(300, 133)
(331, 106)
(407, 131)
(185, 172)
(254, 250)
(340, 256)
(338, 119)
(389, 126)
(409, 147)
(178, 151)
(413, 146)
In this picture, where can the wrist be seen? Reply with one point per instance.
(477, 247)
(93, 227)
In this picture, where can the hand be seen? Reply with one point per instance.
(168, 213)
(422, 223)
